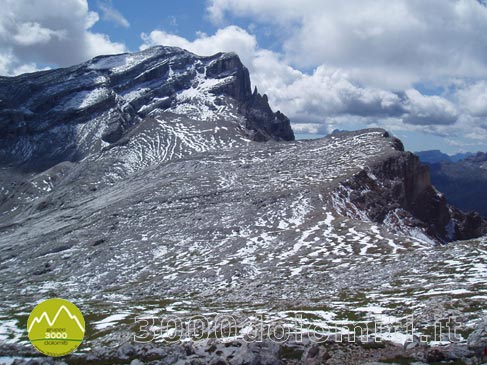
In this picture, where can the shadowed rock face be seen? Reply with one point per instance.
(66, 114)
(396, 191)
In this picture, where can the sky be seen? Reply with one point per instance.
(417, 68)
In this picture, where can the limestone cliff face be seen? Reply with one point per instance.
(67, 114)
(396, 191)
(261, 122)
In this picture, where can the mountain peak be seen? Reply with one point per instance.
(84, 109)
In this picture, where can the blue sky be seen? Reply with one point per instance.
(183, 17)
(415, 67)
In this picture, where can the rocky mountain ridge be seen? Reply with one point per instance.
(238, 228)
(144, 190)
(398, 193)
(68, 114)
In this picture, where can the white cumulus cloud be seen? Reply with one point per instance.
(229, 39)
(386, 43)
(429, 109)
(326, 92)
(49, 32)
(369, 62)
(474, 98)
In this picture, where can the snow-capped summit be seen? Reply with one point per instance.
(67, 114)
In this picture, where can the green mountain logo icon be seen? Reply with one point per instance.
(56, 327)
(54, 322)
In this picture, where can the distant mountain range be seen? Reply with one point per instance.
(436, 156)
(462, 178)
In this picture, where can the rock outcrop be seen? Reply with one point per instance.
(397, 192)
(477, 340)
(66, 114)
(293, 351)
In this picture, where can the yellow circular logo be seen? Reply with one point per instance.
(56, 327)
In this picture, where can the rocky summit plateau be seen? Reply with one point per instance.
(159, 184)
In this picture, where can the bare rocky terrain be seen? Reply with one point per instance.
(158, 184)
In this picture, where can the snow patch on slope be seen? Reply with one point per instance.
(85, 99)
(198, 101)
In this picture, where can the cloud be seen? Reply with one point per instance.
(385, 43)
(473, 98)
(367, 61)
(110, 14)
(330, 92)
(310, 128)
(49, 32)
(30, 33)
(426, 109)
(313, 98)
(229, 39)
